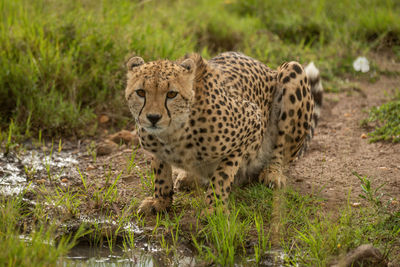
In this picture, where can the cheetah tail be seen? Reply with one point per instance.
(316, 89)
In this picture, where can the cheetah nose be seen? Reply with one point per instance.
(153, 118)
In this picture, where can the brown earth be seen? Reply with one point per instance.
(340, 146)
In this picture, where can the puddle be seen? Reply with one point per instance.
(131, 227)
(84, 255)
(145, 253)
(16, 169)
(275, 257)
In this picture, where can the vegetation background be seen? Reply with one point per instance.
(62, 62)
(62, 65)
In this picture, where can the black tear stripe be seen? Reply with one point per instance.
(140, 112)
(165, 104)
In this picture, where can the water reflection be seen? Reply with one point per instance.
(84, 255)
(17, 168)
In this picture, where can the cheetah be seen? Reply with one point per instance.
(226, 121)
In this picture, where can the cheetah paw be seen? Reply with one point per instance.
(273, 179)
(153, 205)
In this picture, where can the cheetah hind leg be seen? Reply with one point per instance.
(272, 176)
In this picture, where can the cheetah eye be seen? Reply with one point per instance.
(172, 94)
(141, 92)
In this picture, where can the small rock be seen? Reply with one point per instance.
(90, 167)
(128, 178)
(364, 255)
(125, 137)
(106, 148)
(363, 136)
(104, 119)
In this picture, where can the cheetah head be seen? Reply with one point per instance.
(160, 93)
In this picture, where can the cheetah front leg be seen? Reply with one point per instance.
(222, 180)
(163, 189)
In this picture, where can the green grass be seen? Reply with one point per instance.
(386, 121)
(314, 237)
(63, 62)
(223, 237)
(30, 245)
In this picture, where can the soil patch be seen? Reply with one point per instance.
(340, 146)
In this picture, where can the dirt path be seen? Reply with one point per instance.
(338, 149)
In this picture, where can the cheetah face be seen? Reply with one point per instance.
(160, 93)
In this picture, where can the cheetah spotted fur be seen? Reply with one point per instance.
(229, 120)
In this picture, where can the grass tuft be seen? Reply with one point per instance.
(224, 237)
(386, 119)
(30, 247)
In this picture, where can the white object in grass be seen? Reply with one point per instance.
(361, 64)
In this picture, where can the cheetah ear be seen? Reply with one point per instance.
(188, 64)
(134, 62)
